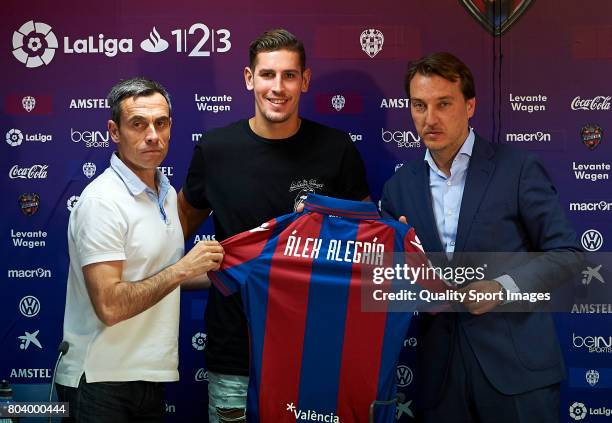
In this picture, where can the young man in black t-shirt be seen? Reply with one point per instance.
(251, 171)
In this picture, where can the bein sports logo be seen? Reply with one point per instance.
(593, 344)
(34, 44)
(404, 139)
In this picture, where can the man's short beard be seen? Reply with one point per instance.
(275, 118)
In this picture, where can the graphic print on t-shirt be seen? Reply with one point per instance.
(304, 187)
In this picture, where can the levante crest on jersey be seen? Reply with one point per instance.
(496, 15)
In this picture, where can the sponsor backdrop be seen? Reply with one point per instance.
(541, 72)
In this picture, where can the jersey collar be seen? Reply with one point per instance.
(337, 207)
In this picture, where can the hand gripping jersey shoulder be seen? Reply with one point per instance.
(315, 354)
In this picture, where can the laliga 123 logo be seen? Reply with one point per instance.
(34, 44)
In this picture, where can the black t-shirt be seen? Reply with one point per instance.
(247, 180)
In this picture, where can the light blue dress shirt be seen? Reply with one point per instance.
(135, 185)
(446, 196)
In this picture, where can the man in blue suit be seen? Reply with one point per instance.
(468, 195)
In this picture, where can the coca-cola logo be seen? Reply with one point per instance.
(596, 103)
(33, 172)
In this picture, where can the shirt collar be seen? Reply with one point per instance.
(133, 183)
(465, 150)
(338, 207)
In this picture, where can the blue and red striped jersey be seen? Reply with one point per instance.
(316, 354)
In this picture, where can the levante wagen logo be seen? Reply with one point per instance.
(496, 16)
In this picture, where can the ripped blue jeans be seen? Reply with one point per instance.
(227, 397)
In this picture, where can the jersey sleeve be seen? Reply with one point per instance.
(194, 188)
(241, 253)
(98, 230)
(352, 182)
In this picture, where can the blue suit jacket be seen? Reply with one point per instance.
(509, 205)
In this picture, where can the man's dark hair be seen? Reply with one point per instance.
(273, 40)
(134, 87)
(446, 66)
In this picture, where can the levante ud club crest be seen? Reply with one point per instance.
(591, 135)
(28, 203)
(496, 16)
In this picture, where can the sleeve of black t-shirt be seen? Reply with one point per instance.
(194, 188)
(352, 181)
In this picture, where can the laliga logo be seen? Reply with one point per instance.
(198, 341)
(155, 43)
(338, 101)
(577, 411)
(72, 202)
(14, 137)
(34, 44)
(372, 41)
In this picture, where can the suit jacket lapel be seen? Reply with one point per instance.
(425, 224)
(477, 180)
